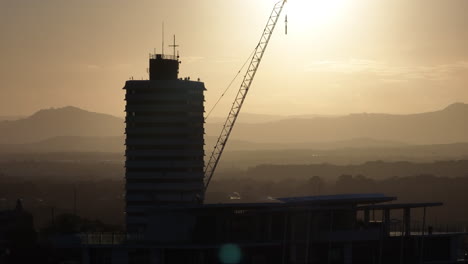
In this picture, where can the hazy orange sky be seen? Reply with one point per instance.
(340, 56)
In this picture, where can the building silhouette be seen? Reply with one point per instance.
(164, 141)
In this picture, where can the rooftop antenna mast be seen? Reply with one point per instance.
(174, 46)
(162, 46)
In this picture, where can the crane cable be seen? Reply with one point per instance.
(230, 84)
(237, 75)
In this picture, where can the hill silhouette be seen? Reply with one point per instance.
(440, 127)
(64, 128)
(66, 121)
(114, 144)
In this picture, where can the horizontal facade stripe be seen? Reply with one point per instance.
(161, 141)
(164, 153)
(151, 107)
(167, 119)
(165, 175)
(164, 186)
(161, 97)
(162, 131)
(163, 163)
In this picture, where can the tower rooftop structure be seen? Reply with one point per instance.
(164, 141)
(163, 67)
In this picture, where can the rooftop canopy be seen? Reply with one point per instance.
(368, 198)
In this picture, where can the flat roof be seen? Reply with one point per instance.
(400, 205)
(318, 202)
(362, 198)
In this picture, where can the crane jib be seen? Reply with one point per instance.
(242, 92)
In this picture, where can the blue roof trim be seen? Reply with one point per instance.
(367, 197)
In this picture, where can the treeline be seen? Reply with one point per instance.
(371, 169)
(92, 199)
(95, 189)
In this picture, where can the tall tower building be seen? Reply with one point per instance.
(164, 141)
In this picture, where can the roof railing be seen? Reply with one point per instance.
(163, 56)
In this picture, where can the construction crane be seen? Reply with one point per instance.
(242, 93)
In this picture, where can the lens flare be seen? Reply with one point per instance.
(230, 254)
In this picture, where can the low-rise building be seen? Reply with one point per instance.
(356, 228)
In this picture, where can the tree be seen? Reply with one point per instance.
(316, 185)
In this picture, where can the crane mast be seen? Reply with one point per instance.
(242, 93)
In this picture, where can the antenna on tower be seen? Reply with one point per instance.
(174, 46)
(162, 49)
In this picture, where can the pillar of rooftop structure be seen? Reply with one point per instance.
(164, 141)
(387, 221)
(366, 216)
(407, 221)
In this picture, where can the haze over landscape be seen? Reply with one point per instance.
(347, 139)
(361, 98)
(444, 126)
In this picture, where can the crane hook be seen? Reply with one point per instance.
(286, 25)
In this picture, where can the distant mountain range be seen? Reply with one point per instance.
(251, 118)
(70, 144)
(67, 121)
(446, 126)
(73, 129)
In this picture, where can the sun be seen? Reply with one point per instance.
(318, 12)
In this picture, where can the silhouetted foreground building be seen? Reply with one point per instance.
(17, 236)
(164, 141)
(363, 228)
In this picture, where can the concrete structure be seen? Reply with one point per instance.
(164, 141)
(345, 229)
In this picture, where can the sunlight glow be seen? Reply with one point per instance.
(317, 12)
